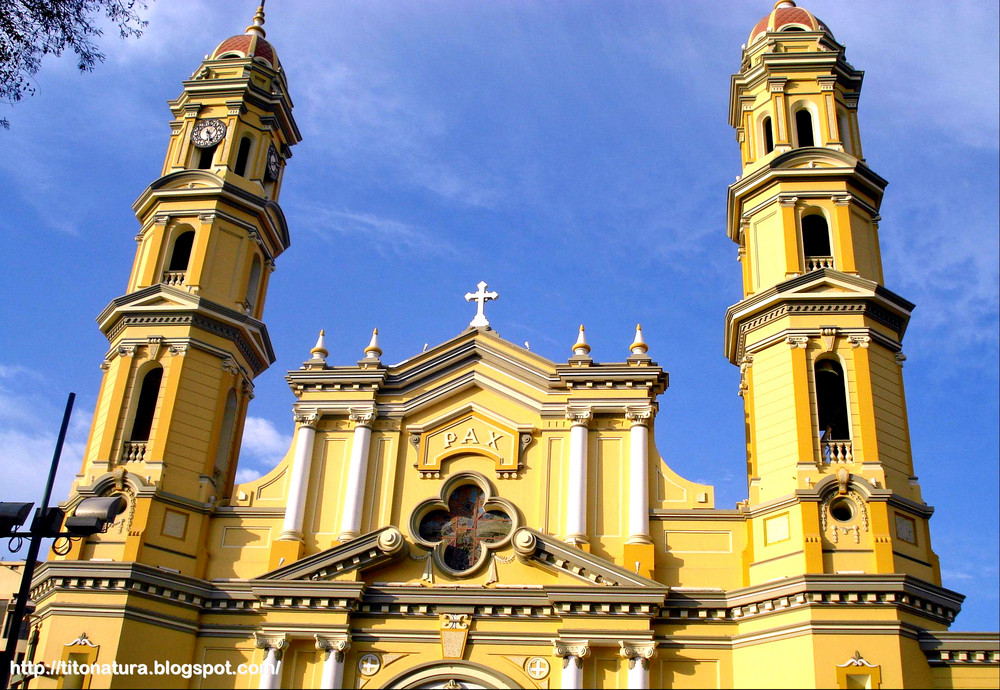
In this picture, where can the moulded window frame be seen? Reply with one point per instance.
(810, 108)
(133, 404)
(814, 211)
(253, 291)
(842, 363)
(250, 151)
(767, 118)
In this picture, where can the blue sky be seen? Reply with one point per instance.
(576, 157)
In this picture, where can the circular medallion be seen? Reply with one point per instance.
(208, 132)
(537, 667)
(273, 163)
(369, 664)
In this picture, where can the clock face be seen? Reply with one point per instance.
(208, 133)
(273, 163)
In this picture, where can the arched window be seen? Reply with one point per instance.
(768, 135)
(844, 131)
(181, 254)
(225, 437)
(206, 156)
(254, 284)
(804, 127)
(816, 242)
(149, 391)
(831, 401)
(243, 156)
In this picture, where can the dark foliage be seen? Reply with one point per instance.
(32, 29)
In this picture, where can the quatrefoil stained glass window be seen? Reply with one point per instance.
(463, 529)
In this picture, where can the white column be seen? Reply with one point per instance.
(270, 669)
(572, 655)
(334, 651)
(638, 510)
(576, 488)
(302, 462)
(357, 472)
(638, 655)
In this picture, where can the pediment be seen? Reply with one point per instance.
(367, 551)
(549, 553)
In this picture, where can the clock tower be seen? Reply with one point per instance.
(186, 338)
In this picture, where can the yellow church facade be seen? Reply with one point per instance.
(478, 515)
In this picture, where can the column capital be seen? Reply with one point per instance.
(861, 341)
(335, 644)
(795, 341)
(362, 416)
(571, 649)
(276, 642)
(639, 415)
(307, 419)
(579, 415)
(636, 651)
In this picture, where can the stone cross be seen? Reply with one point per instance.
(482, 297)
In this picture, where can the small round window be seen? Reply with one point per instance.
(842, 509)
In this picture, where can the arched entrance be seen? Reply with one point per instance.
(452, 675)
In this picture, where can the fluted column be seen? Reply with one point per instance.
(576, 485)
(638, 655)
(357, 472)
(572, 655)
(301, 464)
(270, 668)
(638, 515)
(334, 648)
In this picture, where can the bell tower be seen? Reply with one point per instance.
(187, 338)
(817, 337)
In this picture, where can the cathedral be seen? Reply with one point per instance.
(478, 516)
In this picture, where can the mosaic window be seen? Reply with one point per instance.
(464, 524)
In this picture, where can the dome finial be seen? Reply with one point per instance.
(373, 351)
(784, 3)
(319, 352)
(638, 346)
(580, 347)
(257, 28)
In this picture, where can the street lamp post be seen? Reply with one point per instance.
(91, 516)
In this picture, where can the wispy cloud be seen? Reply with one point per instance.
(384, 235)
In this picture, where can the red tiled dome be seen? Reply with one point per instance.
(247, 45)
(786, 15)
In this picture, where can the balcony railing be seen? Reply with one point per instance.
(173, 278)
(134, 451)
(814, 263)
(837, 452)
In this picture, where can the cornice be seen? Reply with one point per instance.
(779, 169)
(216, 189)
(192, 311)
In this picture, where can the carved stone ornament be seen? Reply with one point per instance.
(639, 415)
(82, 640)
(229, 364)
(795, 341)
(270, 642)
(155, 341)
(180, 349)
(900, 358)
(537, 667)
(333, 645)
(856, 660)
(579, 416)
(454, 634)
(640, 652)
(308, 419)
(861, 341)
(745, 365)
(575, 651)
(362, 416)
(126, 350)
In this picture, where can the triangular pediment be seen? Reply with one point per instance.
(549, 553)
(367, 551)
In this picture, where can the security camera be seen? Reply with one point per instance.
(93, 515)
(12, 516)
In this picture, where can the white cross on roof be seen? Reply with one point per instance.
(482, 297)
